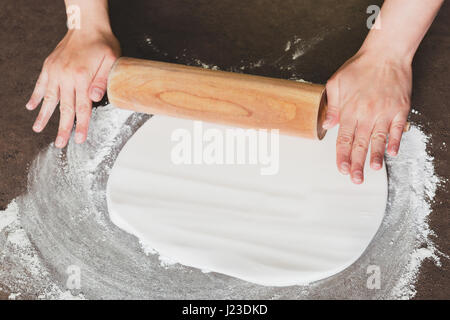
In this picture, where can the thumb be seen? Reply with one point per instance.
(332, 116)
(98, 86)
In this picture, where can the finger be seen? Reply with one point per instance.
(83, 111)
(359, 151)
(395, 133)
(51, 100)
(332, 116)
(344, 144)
(39, 91)
(98, 87)
(378, 143)
(67, 116)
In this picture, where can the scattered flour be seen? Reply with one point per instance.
(20, 263)
(63, 220)
(419, 194)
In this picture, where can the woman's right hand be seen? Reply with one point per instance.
(74, 74)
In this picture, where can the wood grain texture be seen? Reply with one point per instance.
(215, 96)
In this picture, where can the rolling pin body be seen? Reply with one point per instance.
(215, 96)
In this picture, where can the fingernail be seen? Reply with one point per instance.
(393, 151)
(37, 127)
(345, 168)
(98, 94)
(376, 164)
(357, 177)
(28, 106)
(326, 124)
(79, 137)
(59, 142)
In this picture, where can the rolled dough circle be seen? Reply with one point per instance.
(306, 223)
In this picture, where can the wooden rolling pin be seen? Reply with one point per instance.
(215, 96)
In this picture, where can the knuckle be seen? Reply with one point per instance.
(66, 108)
(54, 70)
(50, 96)
(374, 107)
(360, 144)
(379, 136)
(83, 109)
(397, 126)
(332, 110)
(344, 139)
(80, 72)
(65, 68)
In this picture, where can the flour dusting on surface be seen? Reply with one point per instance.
(63, 220)
(412, 172)
(21, 267)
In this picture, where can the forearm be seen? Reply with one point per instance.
(403, 25)
(93, 14)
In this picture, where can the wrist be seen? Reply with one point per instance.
(391, 54)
